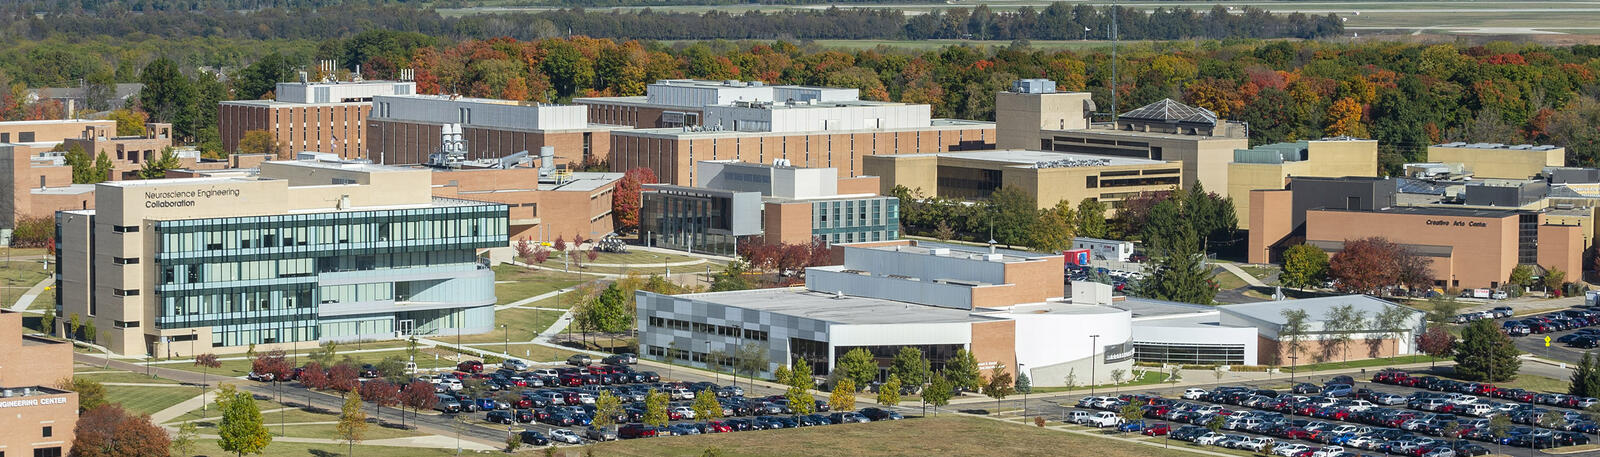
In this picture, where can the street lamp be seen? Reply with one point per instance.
(506, 348)
(716, 377)
(1294, 365)
(1022, 371)
(193, 335)
(1094, 342)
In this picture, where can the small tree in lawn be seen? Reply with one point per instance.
(1000, 385)
(524, 251)
(352, 421)
(1071, 380)
(183, 444)
(381, 393)
(844, 396)
(889, 392)
(799, 396)
(1117, 376)
(513, 442)
(1024, 383)
(1437, 343)
(206, 362)
(419, 396)
(1132, 413)
(1175, 374)
(241, 430)
(937, 393)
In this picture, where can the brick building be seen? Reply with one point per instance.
(406, 130)
(310, 116)
(35, 418)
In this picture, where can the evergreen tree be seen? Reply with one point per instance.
(241, 430)
(156, 167)
(1585, 377)
(1485, 354)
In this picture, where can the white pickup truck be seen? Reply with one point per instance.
(1106, 419)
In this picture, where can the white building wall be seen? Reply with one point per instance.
(926, 267)
(481, 113)
(818, 118)
(1157, 332)
(700, 94)
(820, 94)
(829, 279)
(294, 92)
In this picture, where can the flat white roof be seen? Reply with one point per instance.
(1030, 157)
(849, 310)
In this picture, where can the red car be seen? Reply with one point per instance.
(1296, 433)
(718, 427)
(470, 366)
(1157, 430)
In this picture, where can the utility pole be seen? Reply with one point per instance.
(1115, 12)
(1094, 342)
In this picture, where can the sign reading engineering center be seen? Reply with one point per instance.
(33, 402)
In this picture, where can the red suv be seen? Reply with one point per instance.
(470, 366)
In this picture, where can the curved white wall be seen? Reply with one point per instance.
(1060, 339)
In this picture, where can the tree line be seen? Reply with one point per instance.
(1056, 22)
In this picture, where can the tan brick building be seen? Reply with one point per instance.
(1271, 166)
(1495, 160)
(49, 131)
(1049, 177)
(35, 418)
(541, 206)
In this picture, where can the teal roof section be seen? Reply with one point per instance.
(1273, 153)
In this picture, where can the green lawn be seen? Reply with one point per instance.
(286, 449)
(1226, 280)
(1535, 383)
(1365, 363)
(124, 376)
(636, 257)
(522, 324)
(292, 415)
(530, 352)
(514, 283)
(17, 276)
(1265, 274)
(146, 400)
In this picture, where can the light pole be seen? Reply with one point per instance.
(506, 348)
(715, 377)
(1022, 371)
(1294, 365)
(1094, 342)
(193, 335)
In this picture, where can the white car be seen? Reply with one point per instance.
(1079, 417)
(1343, 429)
(514, 364)
(1363, 441)
(1479, 410)
(1389, 399)
(1330, 451)
(1462, 399)
(565, 436)
(1255, 444)
(686, 412)
(1210, 439)
(1441, 452)
(1289, 449)
(1106, 419)
(1360, 405)
(1193, 394)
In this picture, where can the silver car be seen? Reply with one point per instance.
(600, 433)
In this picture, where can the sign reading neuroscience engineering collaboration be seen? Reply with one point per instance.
(184, 198)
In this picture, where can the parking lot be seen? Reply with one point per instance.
(1375, 418)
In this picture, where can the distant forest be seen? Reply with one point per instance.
(311, 20)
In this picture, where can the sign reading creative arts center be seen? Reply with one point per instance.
(1445, 223)
(184, 198)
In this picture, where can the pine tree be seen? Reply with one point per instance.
(241, 430)
(1485, 354)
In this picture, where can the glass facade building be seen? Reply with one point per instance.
(856, 220)
(331, 275)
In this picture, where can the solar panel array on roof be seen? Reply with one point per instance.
(1417, 186)
(1168, 110)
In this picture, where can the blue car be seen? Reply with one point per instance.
(485, 404)
(1131, 426)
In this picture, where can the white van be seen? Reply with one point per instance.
(1078, 417)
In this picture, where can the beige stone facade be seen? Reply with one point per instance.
(50, 131)
(1330, 158)
(973, 175)
(1499, 161)
(35, 418)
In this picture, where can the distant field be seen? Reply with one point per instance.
(1466, 17)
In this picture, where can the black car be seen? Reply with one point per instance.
(878, 414)
(738, 425)
(534, 438)
(1306, 388)
(499, 417)
(523, 415)
(367, 371)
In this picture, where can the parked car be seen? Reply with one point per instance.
(515, 364)
(579, 360)
(878, 414)
(499, 417)
(1105, 419)
(565, 436)
(534, 438)
(470, 366)
(600, 433)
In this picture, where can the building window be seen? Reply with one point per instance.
(125, 324)
(125, 229)
(125, 260)
(125, 292)
(44, 452)
(49, 431)
(25, 137)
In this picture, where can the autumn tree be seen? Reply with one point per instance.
(1304, 266)
(1091, 219)
(110, 431)
(1367, 265)
(1344, 119)
(418, 396)
(381, 393)
(843, 397)
(999, 385)
(1436, 342)
(352, 425)
(626, 198)
(261, 142)
(241, 430)
(889, 392)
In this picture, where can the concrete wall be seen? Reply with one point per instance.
(1561, 246)
(485, 113)
(1019, 116)
(1272, 221)
(1503, 163)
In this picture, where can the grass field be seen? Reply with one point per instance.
(17, 276)
(286, 449)
(1361, 363)
(947, 435)
(531, 352)
(292, 415)
(512, 283)
(523, 324)
(1226, 280)
(124, 376)
(145, 400)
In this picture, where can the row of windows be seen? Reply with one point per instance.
(700, 327)
(1191, 354)
(248, 237)
(350, 293)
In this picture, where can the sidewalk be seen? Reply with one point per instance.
(1247, 277)
(183, 407)
(533, 299)
(33, 293)
(428, 441)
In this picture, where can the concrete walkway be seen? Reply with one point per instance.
(1247, 277)
(33, 293)
(427, 441)
(533, 299)
(183, 407)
